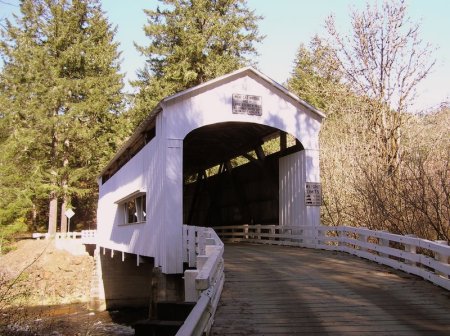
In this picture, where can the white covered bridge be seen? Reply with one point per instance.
(238, 154)
(195, 130)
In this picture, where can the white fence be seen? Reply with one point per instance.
(427, 259)
(86, 236)
(58, 235)
(202, 249)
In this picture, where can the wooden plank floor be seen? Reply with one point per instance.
(273, 290)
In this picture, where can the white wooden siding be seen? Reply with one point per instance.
(294, 171)
(292, 210)
(173, 219)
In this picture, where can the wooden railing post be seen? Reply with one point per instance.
(340, 234)
(321, 235)
(385, 243)
(411, 248)
(191, 293)
(258, 231)
(316, 236)
(191, 246)
(272, 232)
(363, 239)
(201, 235)
(441, 257)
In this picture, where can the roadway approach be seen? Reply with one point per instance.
(279, 290)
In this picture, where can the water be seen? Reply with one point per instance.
(68, 320)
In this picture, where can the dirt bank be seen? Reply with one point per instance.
(36, 274)
(44, 291)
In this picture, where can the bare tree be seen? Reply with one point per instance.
(382, 167)
(415, 203)
(383, 59)
(3, 18)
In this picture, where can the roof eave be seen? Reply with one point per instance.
(137, 132)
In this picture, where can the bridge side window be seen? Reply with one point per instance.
(134, 210)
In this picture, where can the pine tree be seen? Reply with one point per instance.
(62, 94)
(316, 75)
(191, 42)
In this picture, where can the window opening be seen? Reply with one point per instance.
(135, 210)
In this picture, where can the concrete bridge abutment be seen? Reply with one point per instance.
(124, 280)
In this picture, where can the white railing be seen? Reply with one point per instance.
(427, 259)
(38, 236)
(57, 235)
(202, 249)
(89, 237)
(86, 236)
(68, 235)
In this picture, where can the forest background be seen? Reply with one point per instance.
(66, 107)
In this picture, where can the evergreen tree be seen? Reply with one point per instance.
(316, 75)
(192, 41)
(61, 95)
(317, 78)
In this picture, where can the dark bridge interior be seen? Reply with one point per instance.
(231, 173)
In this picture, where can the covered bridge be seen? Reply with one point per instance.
(239, 149)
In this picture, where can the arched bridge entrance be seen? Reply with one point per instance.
(231, 173)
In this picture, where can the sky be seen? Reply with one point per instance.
(287, 24)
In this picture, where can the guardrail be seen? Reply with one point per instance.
(424, 258)
(40, 235)
(89, 236)
(86, 236)
(204, 249)
(58, 235)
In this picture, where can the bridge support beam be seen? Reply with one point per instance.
(164, 287)
(123, 280)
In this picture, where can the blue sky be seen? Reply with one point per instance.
(287, 24)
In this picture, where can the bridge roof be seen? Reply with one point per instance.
(136, 141)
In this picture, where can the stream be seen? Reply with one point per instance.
(68, 320)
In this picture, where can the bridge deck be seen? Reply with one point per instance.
(273, 290)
